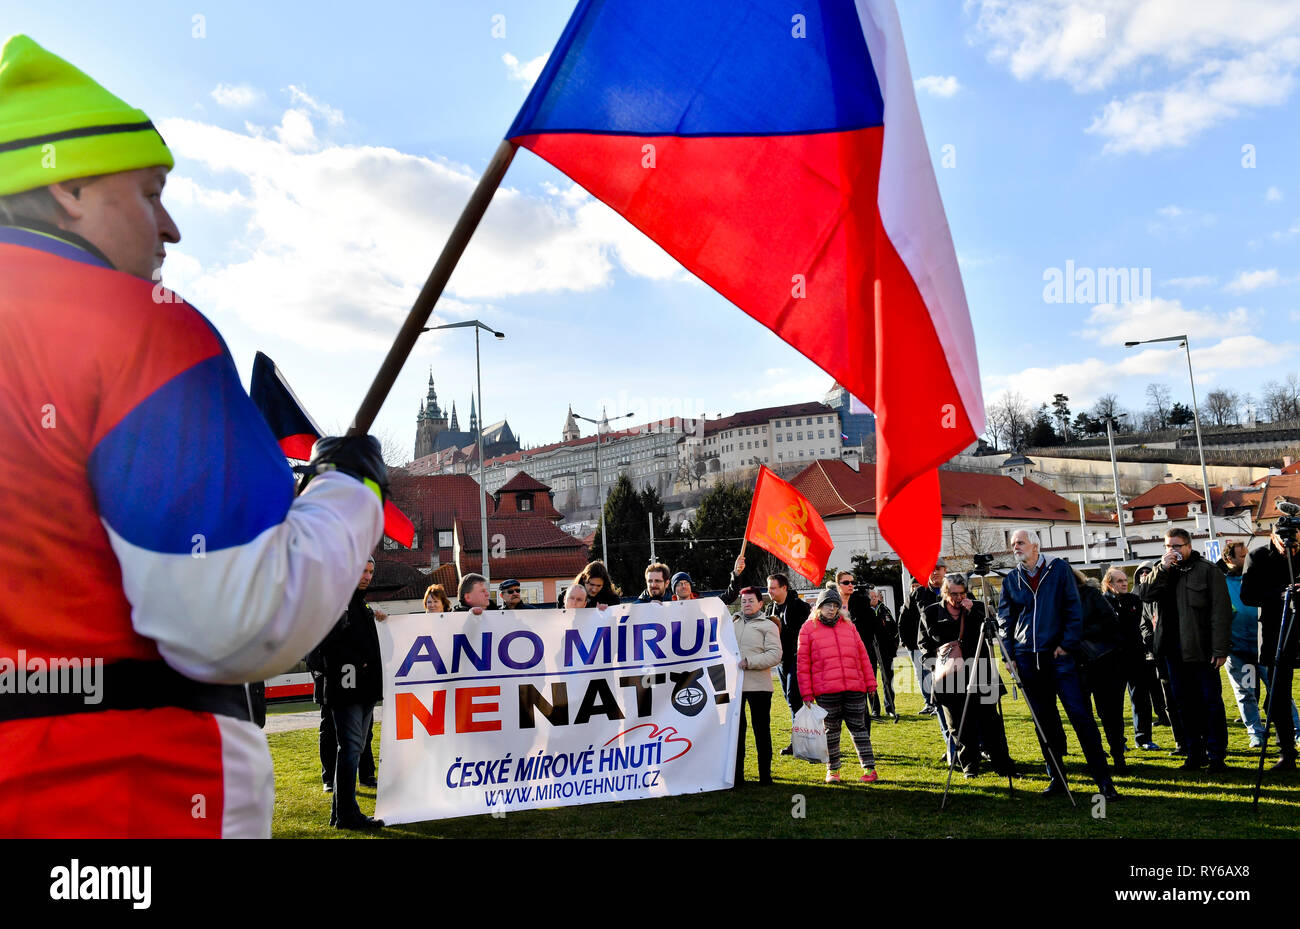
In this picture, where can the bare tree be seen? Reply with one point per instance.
(1107, 406)
(1158, 405)
(1009, 420)
(971, 534)
(1220, 407)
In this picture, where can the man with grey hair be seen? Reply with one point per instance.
(1040, 620)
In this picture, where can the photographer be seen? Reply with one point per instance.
(957, 618)
(1193, 635)
(1264, 580)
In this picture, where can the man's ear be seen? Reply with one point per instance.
(67, 194)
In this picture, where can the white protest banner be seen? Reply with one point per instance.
(524, 709)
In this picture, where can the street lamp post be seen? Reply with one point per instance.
(602, 423)
(1196, 418)
(478, 377)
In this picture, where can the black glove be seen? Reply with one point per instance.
(358, 456)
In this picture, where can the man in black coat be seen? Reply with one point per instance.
(869, 613)
(1264, 580)
(909, 621)
(789, 612)
(352, 681)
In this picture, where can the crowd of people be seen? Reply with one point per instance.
(1067, 640)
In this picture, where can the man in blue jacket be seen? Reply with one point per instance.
(1039, 621)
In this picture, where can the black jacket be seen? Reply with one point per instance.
(1101, 634)
(1133, 634)
(1264, 580)
(792, 616)
(645, 597)
(938, 627)
(910, 618)
(348, 659)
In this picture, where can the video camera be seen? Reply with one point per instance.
(1289, 522)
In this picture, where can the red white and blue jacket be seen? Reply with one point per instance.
(148, 516)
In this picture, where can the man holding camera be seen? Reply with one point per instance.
(1193, 637)
(1264, 581)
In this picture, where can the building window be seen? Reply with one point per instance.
(821, 433)
(778, 437)
(444, 539)
(525, 503)
(765, 443)
(801, 453)
(780, 456)
(799, 436)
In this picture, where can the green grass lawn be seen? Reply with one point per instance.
(1157, 800)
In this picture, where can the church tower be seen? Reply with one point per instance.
(570, 427)
(455, 423)
(473, 418)
(429, 422)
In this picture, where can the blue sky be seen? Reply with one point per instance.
(324, 150)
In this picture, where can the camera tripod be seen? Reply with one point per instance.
(1283, 635)
(988, 640)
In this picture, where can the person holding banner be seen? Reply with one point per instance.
(473, 595)
(576, 596)
(835, 671)
(759, 644)
(656, 585)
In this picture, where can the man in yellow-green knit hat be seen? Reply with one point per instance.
(154, 556)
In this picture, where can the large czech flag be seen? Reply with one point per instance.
(776, 151)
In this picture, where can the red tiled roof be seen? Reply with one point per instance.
(530, 565)
(434, 500)
(835, 489)
(1286, 486)
(523, 481)
(763, 416)
(1166, 494)
(521, 533)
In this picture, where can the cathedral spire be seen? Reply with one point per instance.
(473, 417)
(455, 424)
(570, 431)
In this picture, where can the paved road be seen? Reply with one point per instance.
(287, 722)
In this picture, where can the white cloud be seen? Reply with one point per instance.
(1287, 233)
(1221, 342)
(335, 241)
(331, 115)
(1199, 280)
(235, 96)
(939, 86)
(1115, 324)
(1177, 219)
(1247, 281)
(1273, 195)
(526, 72)
(1209, 62)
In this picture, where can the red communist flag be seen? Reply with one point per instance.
(783, 522)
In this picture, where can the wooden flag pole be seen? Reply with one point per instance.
(433, 287)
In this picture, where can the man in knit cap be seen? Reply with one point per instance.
(152, 538)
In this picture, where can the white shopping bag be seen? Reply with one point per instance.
(809, 734)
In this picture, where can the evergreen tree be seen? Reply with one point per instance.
(1180, 415)
(629, 536)
(715, 536)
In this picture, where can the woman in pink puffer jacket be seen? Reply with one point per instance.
(834, 668)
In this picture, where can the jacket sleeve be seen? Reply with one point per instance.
(1151, 589)
(770, 656)
(732, 593)
(1071, 611)
(925, 639)
(803, 663)
(1220, 615)
(1007, 616)
(233, 577)
(864, 661)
